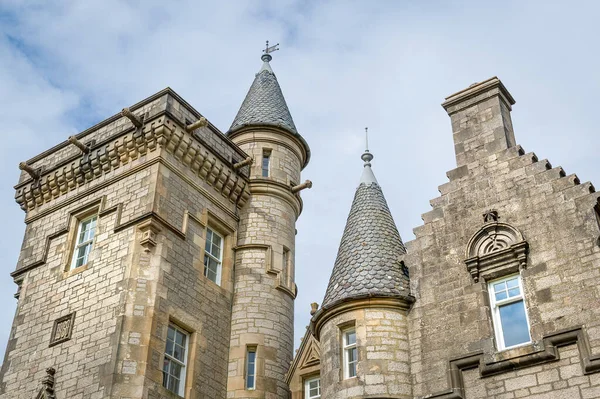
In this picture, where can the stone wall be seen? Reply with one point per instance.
(383, 368)
(156, 189)
(451, 319)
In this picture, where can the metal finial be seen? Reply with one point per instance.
(367, 157)
(267, 52)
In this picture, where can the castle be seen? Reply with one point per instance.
(158, 262)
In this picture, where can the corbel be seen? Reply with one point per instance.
(202, 122)
(150, 229)
(34, 173)
(82, 147)
(300, 187)
(245, 162)
(134, 119)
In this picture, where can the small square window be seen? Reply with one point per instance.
(350, 352)
(251, 368)
(312, 388)
(175, 361)
(84, 240)
(509, 314)
(213, 256)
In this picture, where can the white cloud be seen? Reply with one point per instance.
(342, 66)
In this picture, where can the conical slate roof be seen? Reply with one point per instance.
(264, 104)
(368, 259)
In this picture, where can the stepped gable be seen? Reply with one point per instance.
(368, 262)
(264, 104)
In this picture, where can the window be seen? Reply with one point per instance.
(350, 353)
(213, 256)
(508, 311)
(312, 388)
(285, 266)
(84, 240)
(175, 360)
(251, 368)
(265, 163)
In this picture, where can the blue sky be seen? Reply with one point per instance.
(343, 65)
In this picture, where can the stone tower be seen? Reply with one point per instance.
(263, 302)
(364, 312)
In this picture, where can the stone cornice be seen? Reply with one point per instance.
(351, 304)
(272, 187)
(162, 133)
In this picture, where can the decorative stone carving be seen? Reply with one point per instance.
(490, 216)
(150, 230)
(496, 250)
(47, 391)
(62, 330)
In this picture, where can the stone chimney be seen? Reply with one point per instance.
(481, 123)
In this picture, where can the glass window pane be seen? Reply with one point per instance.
(173, 385)
(352, 370)
(166, 364)
(250, 381)
(175, 370)
(251, 357)
(351, 353)
(169, 348)
(350, 338)
(217, 240)
(499, 286)
(514, 292)
(514, 324)
(501, 295)
(513, 282)
(171, 333)
(179, 338)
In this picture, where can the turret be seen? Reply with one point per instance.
(263, 306)
(362, 324)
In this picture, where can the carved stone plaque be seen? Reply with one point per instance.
(63, 327)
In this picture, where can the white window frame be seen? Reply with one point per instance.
(307, 388)
(183, 364)
(250, 349)
(265, 172)
(219, 259)
(347, 348)
(495, 308)
(83, 244)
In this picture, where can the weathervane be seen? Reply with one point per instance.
(269, 50)
(266, 57)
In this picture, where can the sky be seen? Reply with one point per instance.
(342, 66)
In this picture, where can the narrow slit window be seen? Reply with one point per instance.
(84, 241)
(175, 360)
(350, 353)
(510, 321)
(251, 368)
(213, 256)
(285, 266)
(265, 163)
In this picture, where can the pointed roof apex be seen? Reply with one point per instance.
(368, 176)
(264, 104)
(368, 262)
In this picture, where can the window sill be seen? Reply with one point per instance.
(514, 352)
(80, 269)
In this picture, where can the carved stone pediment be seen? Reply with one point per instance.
(311, 355)
(496, 250)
